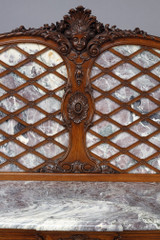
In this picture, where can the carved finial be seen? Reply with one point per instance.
(79, 27)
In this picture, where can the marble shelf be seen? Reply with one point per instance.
(79, 206)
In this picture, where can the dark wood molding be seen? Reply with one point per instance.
(12, 234)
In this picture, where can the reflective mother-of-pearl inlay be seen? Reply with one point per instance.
(127, 116)
(38, 94)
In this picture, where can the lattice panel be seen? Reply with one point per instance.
(125, 131)
(32, 132)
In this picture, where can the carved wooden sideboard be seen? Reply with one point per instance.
(79, 101)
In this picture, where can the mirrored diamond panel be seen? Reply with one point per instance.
(125, 132)
(32, 130)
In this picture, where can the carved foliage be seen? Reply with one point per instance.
(79, 31)
(110, 34)
(77, 167)
(77, 107)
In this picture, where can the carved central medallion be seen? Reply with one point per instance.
(77, 107)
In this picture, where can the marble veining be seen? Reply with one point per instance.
(31, 93)
(118, 96)
(80, 206)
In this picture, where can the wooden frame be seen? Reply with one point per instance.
(79, 45)
(55, 235)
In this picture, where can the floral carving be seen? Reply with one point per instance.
(77, 107)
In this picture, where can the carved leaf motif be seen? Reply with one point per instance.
(79, 31)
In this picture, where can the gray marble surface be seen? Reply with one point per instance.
(79, 206)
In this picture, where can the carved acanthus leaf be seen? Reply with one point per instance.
(110, 34)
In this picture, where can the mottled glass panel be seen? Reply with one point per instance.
(11, 126)
(106, 105)
(91, 139)
(51, 81)
(156, 117)
(105, 128)
(104, 150)
(12, 57)
(30, 138)
(95, 71)
(28, 128)
(31, 93)
(142, 169)
(156, 71)
(107, 59)
(123, 162)
(155, 162)
(12, 81)
(62, 70)
(30, 160)
(49, 150)
(2, 160)
(125, 94)
(31, 116)
(50, 58)
(143, 128)
(124, 139)
(11, 104)
(96, 117)
(63, 139)
(126, 50)
(126, 71)
(2, 69)
(11, 149)
(11, 168)
(144, 82)
(96, 94)
(50, 105)
(125, 117)
(144, 105)
(145, 59)
(106, 82)
(31, 48)
(142, 151)
(2, 115)
(126, 108)
(1, 139)
(50, 127)
(155, 140)
(156, 94)
(31, 69)
(60, 93)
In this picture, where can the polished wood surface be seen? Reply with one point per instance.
(8, 234)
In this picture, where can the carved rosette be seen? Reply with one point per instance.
(77, 107)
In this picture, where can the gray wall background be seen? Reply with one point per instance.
(126, 14)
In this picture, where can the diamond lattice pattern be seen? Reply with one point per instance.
(125, 131)
(31, 126)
